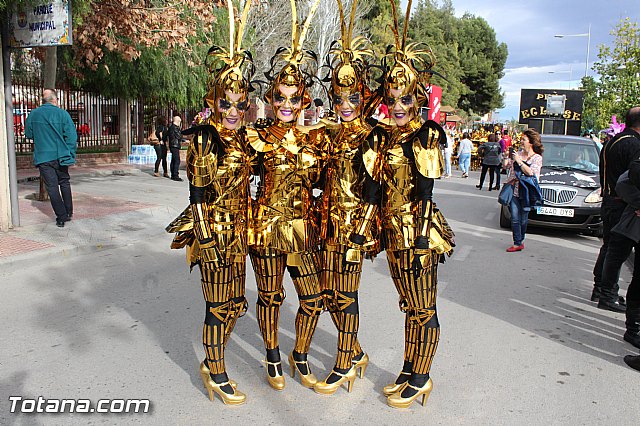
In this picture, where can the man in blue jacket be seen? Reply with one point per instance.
(54, 150)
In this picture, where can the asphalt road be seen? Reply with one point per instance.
(521, 343)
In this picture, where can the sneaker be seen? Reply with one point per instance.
(611, 306)
(177, 179)
(156, 174)
(166, 175)
(60, 223)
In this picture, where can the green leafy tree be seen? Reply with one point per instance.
(618, 87)
(483, 60)
(436, 26)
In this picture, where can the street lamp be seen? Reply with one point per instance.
(588, 35)
(570, 71)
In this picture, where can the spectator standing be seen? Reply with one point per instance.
(529, 161)
(448, 152)
(161, 147)
(174, 136)
(505, 141)
(464, 154)
(319, 109)
(491, 159)
(54, 150)
(615, 158)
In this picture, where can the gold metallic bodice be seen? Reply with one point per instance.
(292, 159)
(343, 208)
(223, 171)
(402, 219)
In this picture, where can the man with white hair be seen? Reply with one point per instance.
(54, 150)
(175, 141)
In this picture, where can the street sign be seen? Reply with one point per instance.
(47, 23)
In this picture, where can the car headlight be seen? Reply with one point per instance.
(594, 197)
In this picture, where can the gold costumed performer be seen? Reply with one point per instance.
(214, 226)
(350, 199)
(415, 234)
(283, 232)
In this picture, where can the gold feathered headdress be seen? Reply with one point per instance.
(408, 66)
(295, 58)
(230, 69)
(349, 65)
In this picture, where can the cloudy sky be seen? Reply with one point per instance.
(528, 29)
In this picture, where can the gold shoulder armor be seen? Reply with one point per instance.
(257, 138)
(429, 161)
(202, 159)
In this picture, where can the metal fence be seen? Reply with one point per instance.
(95, 117)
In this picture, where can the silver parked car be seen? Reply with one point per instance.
(570, 185)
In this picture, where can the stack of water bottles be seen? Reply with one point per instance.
(144, 154)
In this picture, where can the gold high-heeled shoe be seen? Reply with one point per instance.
(276, 382)
(397, 401)
(362, 364)
(394, 387)
(307, 380)
(236, 398)
(330, 388)
(204, 372)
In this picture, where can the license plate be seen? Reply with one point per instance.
(555, 211)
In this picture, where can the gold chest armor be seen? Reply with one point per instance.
(282, 215)
(398, 221)
(344, 208)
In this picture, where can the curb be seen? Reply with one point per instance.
(93, 173)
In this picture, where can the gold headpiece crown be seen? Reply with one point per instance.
(350, 61)
(230, 69)
(411, 64)
(295, 57)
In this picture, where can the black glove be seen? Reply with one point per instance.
(357, 239)
(421, 242)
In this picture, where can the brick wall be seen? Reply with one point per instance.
(26, 161)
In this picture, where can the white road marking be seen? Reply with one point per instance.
(461, 255)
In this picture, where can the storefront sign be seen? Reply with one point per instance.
(533, 104)
(46, 23)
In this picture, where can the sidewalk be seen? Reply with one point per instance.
(103, 217)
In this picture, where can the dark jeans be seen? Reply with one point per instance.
(519, 221)
(493, 170)
(57, 182)
(161, 153)
(175, 161)
(610, 211)
(618, 251)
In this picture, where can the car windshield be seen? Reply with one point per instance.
(571, 156)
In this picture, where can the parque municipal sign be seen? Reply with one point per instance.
(46, 23)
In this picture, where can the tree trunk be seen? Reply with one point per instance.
(51, 67)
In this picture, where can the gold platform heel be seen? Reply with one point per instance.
(276, 382)
(394, 387)
(236, 398)
(362, 364)
(325, 388)
(397, 401)
(307, 380)
(204, 372)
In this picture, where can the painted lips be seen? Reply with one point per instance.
(346, 113)
(286, 112)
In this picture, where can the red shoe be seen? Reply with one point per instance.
(515, 248)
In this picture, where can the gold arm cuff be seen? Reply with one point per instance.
(353, 255)
(366, 222)
(200, 224)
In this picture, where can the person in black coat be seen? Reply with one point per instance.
(161, 147)
(174, 135)
(491, 154)
(615, 159)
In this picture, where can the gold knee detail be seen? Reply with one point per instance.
(312, 306)
(271, 298)
(420, 316)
